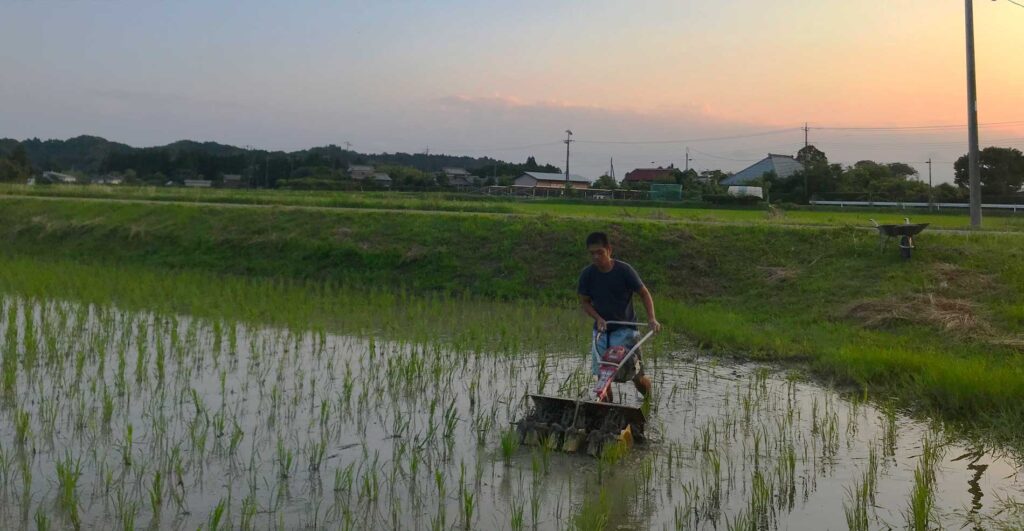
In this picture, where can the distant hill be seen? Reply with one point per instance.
(83, 153)
(189, 158)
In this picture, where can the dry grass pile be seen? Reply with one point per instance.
(778, 275)
(952, 315)
(954, 278)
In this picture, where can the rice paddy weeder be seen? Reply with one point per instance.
(590, 421)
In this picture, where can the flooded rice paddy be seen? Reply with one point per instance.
(134, 419)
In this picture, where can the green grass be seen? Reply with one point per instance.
(764, 291)
(466, 203)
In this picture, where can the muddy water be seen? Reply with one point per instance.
(175, 422)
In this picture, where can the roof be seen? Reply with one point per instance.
(232, 177)
(783, 165)
(541, 176)
(381, 177)
(454, 171)
(356, 167)
(648, 174)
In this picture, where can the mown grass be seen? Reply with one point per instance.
(763, 291)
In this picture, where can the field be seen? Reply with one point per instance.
(295, 363)
(450, 202)
(182, 400)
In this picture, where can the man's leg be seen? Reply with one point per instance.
(643, 384)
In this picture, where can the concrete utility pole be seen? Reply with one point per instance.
(806, 131)
(972, 120)
(931, 196)
(688, 159)
(568, 140)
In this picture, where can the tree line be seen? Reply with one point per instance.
(324, 167)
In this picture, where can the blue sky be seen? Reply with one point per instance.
(491, 77)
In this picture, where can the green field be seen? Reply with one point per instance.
(449, 202)
(940, 333)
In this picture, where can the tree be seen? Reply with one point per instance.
(900, 169)
(606, 182)
(1001, 171)
(11, 172)
(811, 156)
(20, 158)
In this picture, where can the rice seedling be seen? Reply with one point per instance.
(921, 507)
(285, 460)
(315, 454)
(42, 520)
(68, 472)
(855, 507)
(217, 516)
(22, 428)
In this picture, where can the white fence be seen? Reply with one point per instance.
(897, 204)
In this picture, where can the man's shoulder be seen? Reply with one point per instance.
(625, 265)
(587, 270)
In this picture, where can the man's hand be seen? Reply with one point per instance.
(655, 325)
(601, 324)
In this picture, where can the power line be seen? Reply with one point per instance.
(1015, 3)
(684, 140)
(916, 127)
(712, 155)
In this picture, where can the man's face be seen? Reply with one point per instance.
(600, 255)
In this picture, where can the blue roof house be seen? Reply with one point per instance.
(783, 165)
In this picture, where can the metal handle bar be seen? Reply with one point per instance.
(628, 354)
(627, 323)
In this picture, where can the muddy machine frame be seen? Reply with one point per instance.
(591, 421)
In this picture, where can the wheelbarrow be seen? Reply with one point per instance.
(590, 421)
(903, 233)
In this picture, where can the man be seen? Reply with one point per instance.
(606, 289)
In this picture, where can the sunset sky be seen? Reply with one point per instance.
(638, 81)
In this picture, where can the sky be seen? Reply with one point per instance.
(638, 82)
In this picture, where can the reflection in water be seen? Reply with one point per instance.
(974, 484)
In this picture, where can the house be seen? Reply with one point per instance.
(198, 183)
(360, 173)
(649, 175)
(459, 177)
(57, 177)
(382, 179)
(232, 180)
(113, 179)
(782, 165)
(536, 179)
(746, 191)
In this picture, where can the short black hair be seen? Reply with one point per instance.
(599, 238)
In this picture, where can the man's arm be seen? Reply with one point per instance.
(645, 294)
(588, 308)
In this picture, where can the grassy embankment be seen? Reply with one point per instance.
(940, 333)
(452, 202)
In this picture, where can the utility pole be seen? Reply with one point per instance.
(611, 168)
(931, 198)
(688, 159)
(806, 131)
(348, 146)
(972, 119)
(568, 140)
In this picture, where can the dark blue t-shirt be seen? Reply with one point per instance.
(611, 293)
